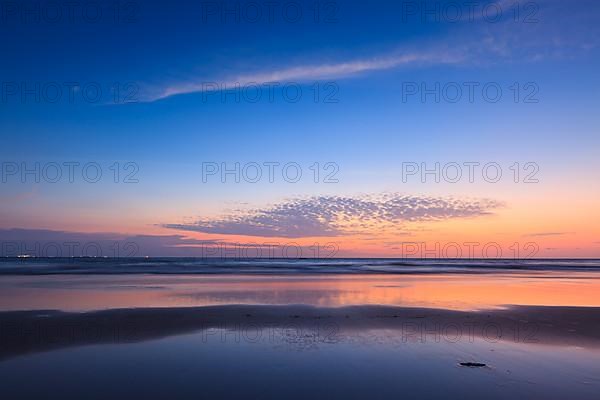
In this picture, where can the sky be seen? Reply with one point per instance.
(361, 129)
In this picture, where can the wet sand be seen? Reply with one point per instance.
(531, 335)
(465, 292)
(37, 331)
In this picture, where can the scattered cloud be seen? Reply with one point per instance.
(331, 216)
(543, 234)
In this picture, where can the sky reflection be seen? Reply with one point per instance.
(456, 292)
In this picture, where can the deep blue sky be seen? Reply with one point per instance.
(368, 51)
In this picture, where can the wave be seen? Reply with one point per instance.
(174, 265)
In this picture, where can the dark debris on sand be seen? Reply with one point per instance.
(473, 364)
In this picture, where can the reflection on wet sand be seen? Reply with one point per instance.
(531, 335)
(457, 292)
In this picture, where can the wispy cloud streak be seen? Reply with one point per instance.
(468, 43)
(305, 73)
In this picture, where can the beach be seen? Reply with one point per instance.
(293, 335)
(299, 200)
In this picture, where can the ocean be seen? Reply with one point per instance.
(179, 265)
